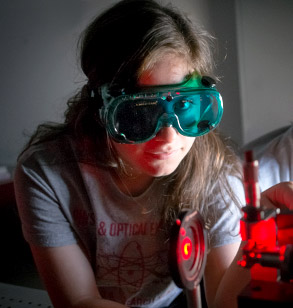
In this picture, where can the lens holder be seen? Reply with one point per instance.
(187, 252)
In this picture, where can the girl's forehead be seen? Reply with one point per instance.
(170, 69)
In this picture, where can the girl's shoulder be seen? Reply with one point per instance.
(57, 151)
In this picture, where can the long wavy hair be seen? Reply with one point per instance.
(116, 48)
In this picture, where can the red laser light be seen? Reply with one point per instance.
(186, 248)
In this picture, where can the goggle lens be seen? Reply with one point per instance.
(193, 110)
(197, 114)
(137, 120)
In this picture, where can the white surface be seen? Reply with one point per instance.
(5, 175)
(265, 48)
(12, 296)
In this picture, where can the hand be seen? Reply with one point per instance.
(279, 195)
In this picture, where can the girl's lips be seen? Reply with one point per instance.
(162, 155)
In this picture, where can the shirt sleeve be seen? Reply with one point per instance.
(43, 220)
(226, 214)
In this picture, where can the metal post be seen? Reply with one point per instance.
(193, 297)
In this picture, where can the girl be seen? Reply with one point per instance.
(97, 194)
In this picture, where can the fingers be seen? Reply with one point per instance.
(279, 195)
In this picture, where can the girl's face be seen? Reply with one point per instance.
(161, 155)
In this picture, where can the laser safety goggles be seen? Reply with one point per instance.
(194, 107)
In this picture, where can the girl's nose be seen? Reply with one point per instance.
(167, 134)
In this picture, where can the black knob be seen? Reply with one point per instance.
(208, 82)
(169, 98)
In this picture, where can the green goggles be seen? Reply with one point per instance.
(194, 107)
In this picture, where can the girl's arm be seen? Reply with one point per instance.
(69, 278)
(224, 279)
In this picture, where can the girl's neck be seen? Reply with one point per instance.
(132, 185)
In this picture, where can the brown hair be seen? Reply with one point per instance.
(116, 48)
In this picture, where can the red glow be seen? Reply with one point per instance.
(263, 232)
(242, 263)
(285, 236)
(282, 253)
(259, 272)
(186, 248)
(182, 231)
(282, 250)
(178, 222)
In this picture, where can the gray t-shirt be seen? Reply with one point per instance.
(62, 201)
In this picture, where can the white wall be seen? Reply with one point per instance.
(39, 66)
(223, 27)
(265, 45)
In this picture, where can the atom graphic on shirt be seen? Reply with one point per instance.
(131, 268)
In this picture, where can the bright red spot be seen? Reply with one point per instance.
(182, 231)
(186, 248)
(243, 263)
